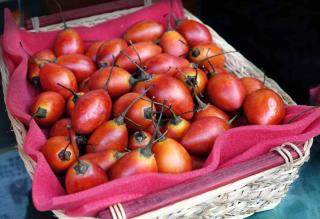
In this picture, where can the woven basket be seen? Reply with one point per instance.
(239, 199)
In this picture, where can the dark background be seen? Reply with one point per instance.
(281, 37)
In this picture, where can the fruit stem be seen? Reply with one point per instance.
(169, 27)
(71, 143)
(61, 15)
(136, 51)
(234, 118)
(105, 86)
(119, 154)
(145, 76)
(120, 119)
(140, 136)
(41, 113)
(219, 54)
(70, 90)
(201, 104)
(30, 56)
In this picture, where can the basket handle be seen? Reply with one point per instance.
(37, 22)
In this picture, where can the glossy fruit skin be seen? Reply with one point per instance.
(133, 163)
(53, 151)
(72, 102)
(210, 110)
(164, 63)
(139, 87)
(68, 41)
(108, 49)
(90, 111)
(189, 77)
(226, 91)
(199, 54)
(171, 43)
(175, 93)
(109, 135)
(59, 128)
(52, 74)
(202, 134)
(139, 113)
(36, 61)
(176, 128)
(264, 107)
(92, 175)
(251, 84)
(139, 140)
(81, 65)
(194, 32)
(93, 49)
(147, 30)
(171, 157)
(105, 159)
(120, 82)
(146, 50)
(53, 104)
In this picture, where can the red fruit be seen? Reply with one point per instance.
(84, 175)
(139, 87)
(93, 49)
(109, 50)
(176, 128)
(59, 153)
(139, 139)
(72, 102)
(251, 84)
(194, 32)
(90, 111)
(147, 30)
(202, 134)
(208, 56)
(174, 43)
(171, 156)
(165, 64)
(105, 159)
(79, 64)
(174, 92)
(36, 61)
(52, 74)
(60, 128)
(146, 50)
(139, 116)
(120, 83)
(226, 91)
(68, 41)
(193, 78)
(210, 110)
(264, 107)
(135, 162)
(112, 134)
(47, 108)
(109, 135)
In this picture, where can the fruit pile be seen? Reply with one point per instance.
(154, 100)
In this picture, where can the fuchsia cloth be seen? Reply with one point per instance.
(236, 145)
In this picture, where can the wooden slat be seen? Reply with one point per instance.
(199, 185)
(85, 12)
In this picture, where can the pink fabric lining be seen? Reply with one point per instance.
(236, 145)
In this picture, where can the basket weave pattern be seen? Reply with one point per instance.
(237, 200)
